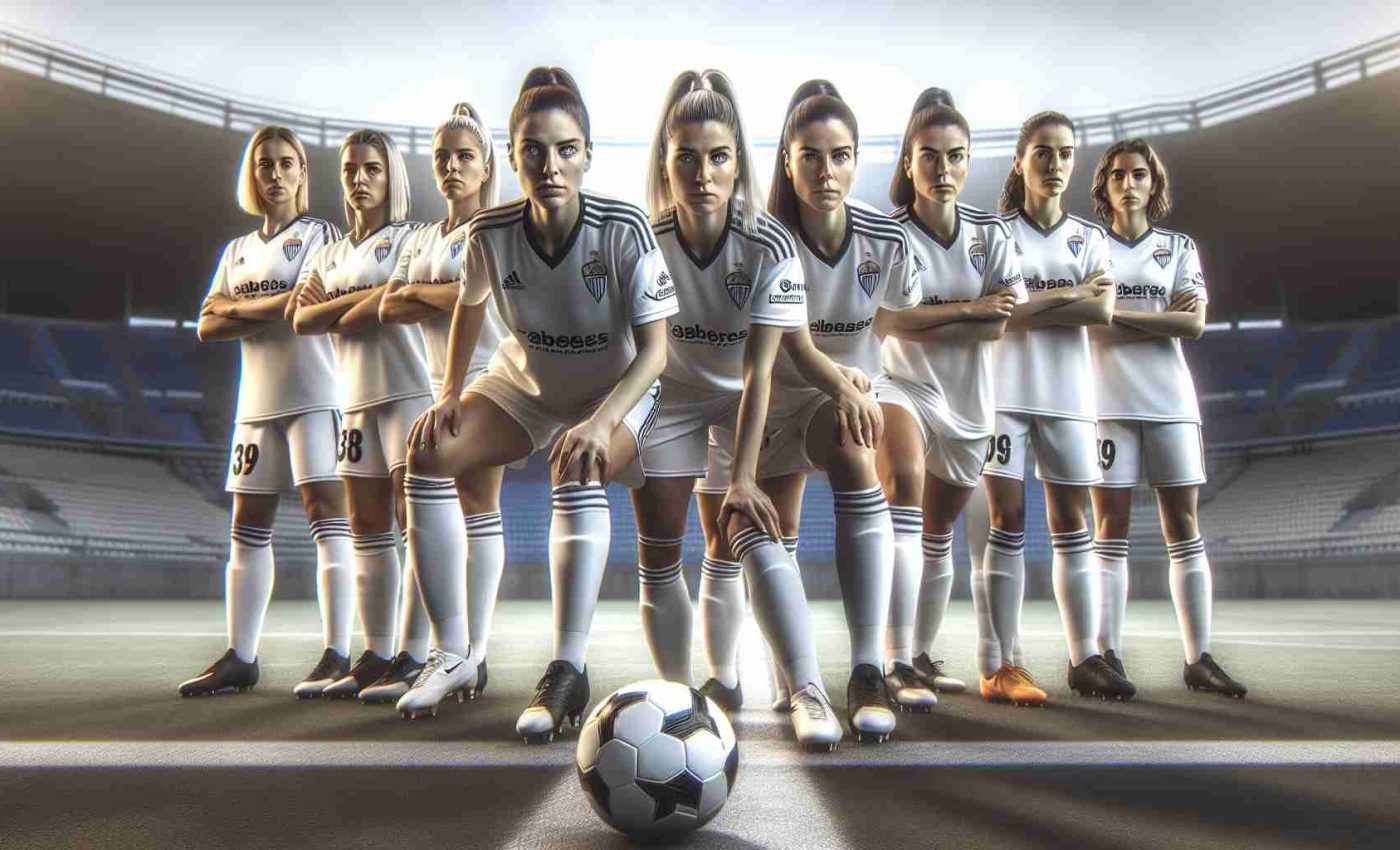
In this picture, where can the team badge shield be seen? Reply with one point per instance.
(381, 250)
(977, 254)
(292, 247)
(868, 274)
(1075, 243)
(595, 279)
(1162, 256)
(455, 248)
(738, 285)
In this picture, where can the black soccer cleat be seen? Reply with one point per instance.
(367, 670)
(395, 682)
(868, 710)
(1112, 659)
(560, 698)
(728, 699)
(331, 667)
(1095, 678)
(480, 681)
(932, 673)
(229, 674)
(1206, 675)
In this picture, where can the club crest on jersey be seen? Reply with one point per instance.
(595, 279)
(456, 247)
(292, 247)
(738, 285)
(868, 273)
(977, 254)
(381, 250)
(1075, 243)
(1162, 256)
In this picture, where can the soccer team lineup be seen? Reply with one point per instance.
(737, 334)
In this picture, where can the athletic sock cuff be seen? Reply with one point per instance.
(748, 540)
(659, 542)
(484, 525)
(907, 520)
(1186, 549)
(251, 536)
(938, 545)
(573, 498)
(717, 570)
(424, 490)
(869, 502)
(659, 575)
(1006, 542)
(1072, 542)
(1116, 550)
(370, 544)
(790, 544)
(329, 529)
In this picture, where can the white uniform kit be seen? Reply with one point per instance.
(433, 256)
(948, 387)
(1045, 396)
(748, 279)
(286, 422)
(570, 316)
(381, 373)
(1149, 420)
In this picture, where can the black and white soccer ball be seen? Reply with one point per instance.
(657, 758)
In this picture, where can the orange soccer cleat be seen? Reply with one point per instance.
(1014, 685)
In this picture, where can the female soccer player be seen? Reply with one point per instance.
(286, 422)
(423, 290)
(936, 389)
(741, 295)
(584, 289)
(1045, 403)
(382, 378)
(1149, 421)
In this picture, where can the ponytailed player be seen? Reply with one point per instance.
(584, 289)
(285, 426)
(423, 291)
(1149, 420)
(382, 377)
(741, 295)
(1045, 406)
(936, 389)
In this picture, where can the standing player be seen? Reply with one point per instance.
(584, 289)
(936, 389)
(1045, 404)
(286, 422)
(382, 378)
(740, 291)
(423, 291)
(1149, 421)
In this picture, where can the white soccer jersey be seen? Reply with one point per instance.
(282, 374)
(872, 270)
(570, 316)
(383, 363)
(748, 279)
(434, 256)
(1149, 379)
(1046, 371)
(978, 260)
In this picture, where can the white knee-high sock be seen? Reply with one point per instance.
(247, 587)
(864, 569)
(779, 606)
(1004, 572)
(1189, 575)
(775, 672)
(377, 589)
(437, 547)
(1078, 591)
(666, 614)
(1112, 556)
(935, 589)
(579, 533)
(908, 524)
(486, 562)
(722, 617)
(976, 525)
(414, 626)
(335, 581)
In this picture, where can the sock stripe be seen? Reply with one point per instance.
(1006, 542)
(417, 488)
(572, 499)
(1111, 549)
(1072, 542)
(790, 544)
(861, 502)
(1186, 549)
(330, 529)
(937, 545)
(717, 570)
(484, 525)
(907, 520)
(251, 535)
(370, 544)
(747, 540)
(659, 575)
(660, 542)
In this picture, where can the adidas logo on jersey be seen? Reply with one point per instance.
(868, 273)
(824, 326)
(565, 343)
(292, 247)
(239, 261)
(1075, 243)
(977, 254)
(512, 281)
(382, 249)
(738, 285)
(696, 333)
(595, 279)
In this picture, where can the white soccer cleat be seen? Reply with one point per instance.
(932, 673)
(814, 720)
(908, 691)
(444, 673)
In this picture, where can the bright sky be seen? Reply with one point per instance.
(407, 63)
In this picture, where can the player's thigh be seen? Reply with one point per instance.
(900, 457)
(943, 501)
(1065, 506)
(371, 504)
(1113, 512)
(258, 510)
(850, 466)
(486, 436)
(661, 506)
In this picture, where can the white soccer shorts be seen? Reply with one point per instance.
(272, 455)
(374, 440)
(1064, 449)
(679, 444)
(956, 460)
(1161, 454)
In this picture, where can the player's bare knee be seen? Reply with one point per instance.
(905, 485)
(323, 500)
(427, 461)
(1009, 517)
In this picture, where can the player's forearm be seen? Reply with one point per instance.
(1077, 314)
(971, 330)
(926, 316)
(318, 318)
(760, 351)
(1171, 324)
(813, 365)
(362, 316)
(441, 297)
(399, 307)
(214, 328)
(1024, 313)
(261, 309)
(640, 374)
(461, 342)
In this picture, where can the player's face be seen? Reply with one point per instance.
(459, 164)
(549, 155)
(1129, 182)
(821, 160)
(701, 166)
(937, 162)
(365, 177)
(1048, 161)
(277, 173)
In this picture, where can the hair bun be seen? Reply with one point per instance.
(934, 96)
(463, 109)
(813, 88)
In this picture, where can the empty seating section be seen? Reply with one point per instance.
(1381, 369)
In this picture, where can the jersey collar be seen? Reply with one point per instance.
(928, 231)
(1043, 231)
(554, 261)
(1136, 242)
(830, 262)
(368, 236)
(702, 263)
(278, 232)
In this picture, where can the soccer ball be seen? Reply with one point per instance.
(657, 758)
